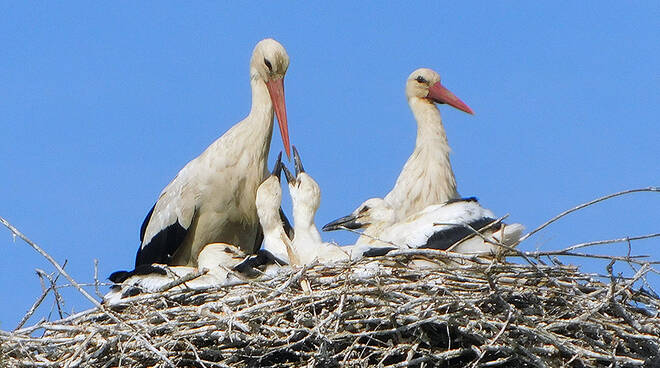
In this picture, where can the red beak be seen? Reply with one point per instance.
(276, 91)
(438, 93)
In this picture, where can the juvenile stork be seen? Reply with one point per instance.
(212, 199)
(306, 199)
(278, 245)
(277, 250)
(459, 225)
(215, 260)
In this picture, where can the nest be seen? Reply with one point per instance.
(367, 313)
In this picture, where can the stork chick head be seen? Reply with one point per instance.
(305, 192)
(425, 84)
(372, 212)
(215, 255)
(269, 198)
(269, 63)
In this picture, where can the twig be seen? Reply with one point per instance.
(627, 239)
(182, 280)
(53, 286)
(96, 278)
(600, 199)
(38, 302)
(73, 282)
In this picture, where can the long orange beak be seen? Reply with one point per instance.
(438, 93)
(276, 91)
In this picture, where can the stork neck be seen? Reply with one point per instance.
(430, 130)
(303, 222)
(261, 112)
(428, 172)
(275, 242)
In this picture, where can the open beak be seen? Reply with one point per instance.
(297, 163)
(346, 222)
(276, 91)
(277, 170)
(289, 177)
(439, 94)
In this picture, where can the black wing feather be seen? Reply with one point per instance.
(120, 276)
(143, 228)
(444, 239)
(161, 247)
(465, 199)
(378, 251)
(251, 266)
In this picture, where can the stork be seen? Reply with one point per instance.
(306, 199)
(215, 260)
(427, 177)
(212, 199)
(277, 249)
(451, 226)
(306, 247)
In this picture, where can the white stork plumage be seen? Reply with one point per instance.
(427, 177)
(277, 248)
(450, 226)
(212, 199)
(306, 247)
(215, 259)
(306, 199)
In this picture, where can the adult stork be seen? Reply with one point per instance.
(212, 199)
(427, 177)
(458, 225)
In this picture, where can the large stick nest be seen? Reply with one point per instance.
(369, 313)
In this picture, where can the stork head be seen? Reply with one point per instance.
(269, 198)
(269, 63)
(216, 256)
(424, 83)
(374, 211)
(305, 192)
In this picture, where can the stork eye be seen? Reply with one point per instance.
(421, 79)
(268, 64)
(364, 209)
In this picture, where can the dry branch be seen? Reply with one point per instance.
(370, 313)
(361, 315)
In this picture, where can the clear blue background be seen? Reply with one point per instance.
(102, 104)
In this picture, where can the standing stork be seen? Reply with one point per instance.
(212, 199)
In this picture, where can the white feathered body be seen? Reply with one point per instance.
(427, 177)
(213, 196)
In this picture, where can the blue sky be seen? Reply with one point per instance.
(102, 104)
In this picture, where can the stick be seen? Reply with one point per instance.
(73, 282)
(617, 194)
(627, 239)
(36, 304)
